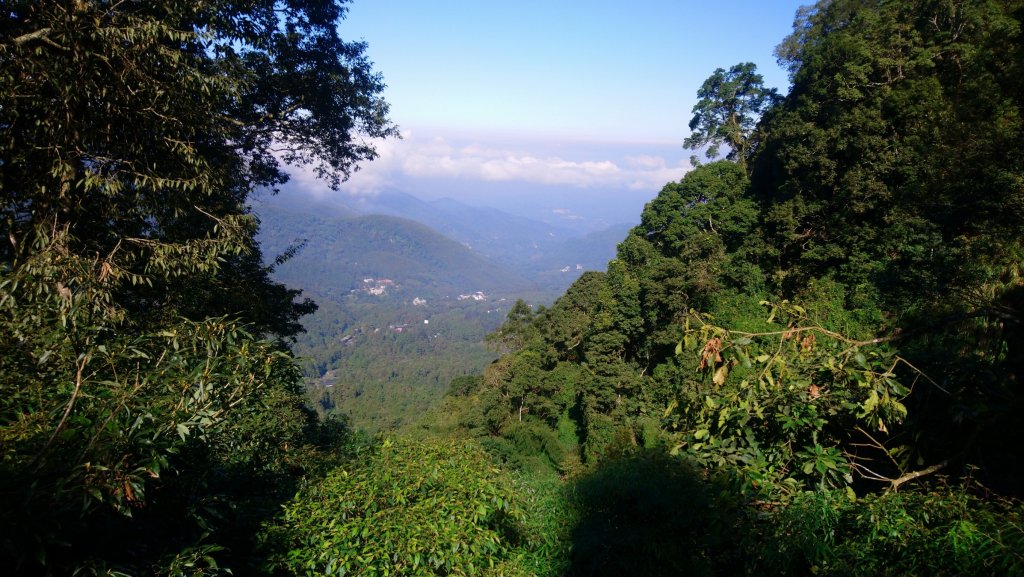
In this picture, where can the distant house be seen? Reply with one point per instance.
(378, 286)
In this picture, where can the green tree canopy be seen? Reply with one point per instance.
(437, 508)
(141, 127)
(893, 164)
(730, 104)
(133, 380)
(882, 215)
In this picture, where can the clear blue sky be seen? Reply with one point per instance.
(595, 69)
(550, 102)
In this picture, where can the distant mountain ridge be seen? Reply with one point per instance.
(545, 254)
(342, 254)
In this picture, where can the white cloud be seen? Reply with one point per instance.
(413, 157)
(647, 162)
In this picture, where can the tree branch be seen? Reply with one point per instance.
(43, 35)
(83, 360)
(38, 34)
(895, 483)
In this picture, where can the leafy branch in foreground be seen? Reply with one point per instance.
(96, 416)
(794, 408)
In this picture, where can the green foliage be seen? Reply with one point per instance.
(515, 331)
(463, 386)
(791, 408)
(150, 169)
(579, 366)
(727, 112)
(548, 517)
(141, 408)
(357, 364)
(890, 177)
(97, 418)
(145, 427)
(706, 226)
(943, 531)
(893, 166)
(410, 509)
(881, 215)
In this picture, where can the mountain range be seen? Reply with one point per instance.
(547, 256)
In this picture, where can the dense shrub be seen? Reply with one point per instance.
(943, 531)
(410, 509)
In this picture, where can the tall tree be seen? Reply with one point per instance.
(892, 172)
(893, 164)
(132, 294)
(730, 104)
(141, 127)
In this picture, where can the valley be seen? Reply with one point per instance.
(408, 289)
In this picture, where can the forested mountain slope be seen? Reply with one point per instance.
(852, 230)
(402, 310)
(835, 311)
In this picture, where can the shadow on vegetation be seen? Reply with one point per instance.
(651, 514)
(206, 513)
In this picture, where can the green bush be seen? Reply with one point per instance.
(943, 531)
(412, 508)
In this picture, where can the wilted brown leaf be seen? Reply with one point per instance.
(711, 355)
(807, 343)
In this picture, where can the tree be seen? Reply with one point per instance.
(893, 165)
(729, 106)
(133, 377)
(892, 171)
(517, 329)
(142, 127)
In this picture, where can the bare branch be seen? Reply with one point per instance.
(37, 35)
(83, 360)
(42, 35)
(895, 483)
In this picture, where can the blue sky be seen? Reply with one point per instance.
(551, 96)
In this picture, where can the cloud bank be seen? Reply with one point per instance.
(415, 158)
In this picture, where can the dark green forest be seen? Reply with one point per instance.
(805, 360)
